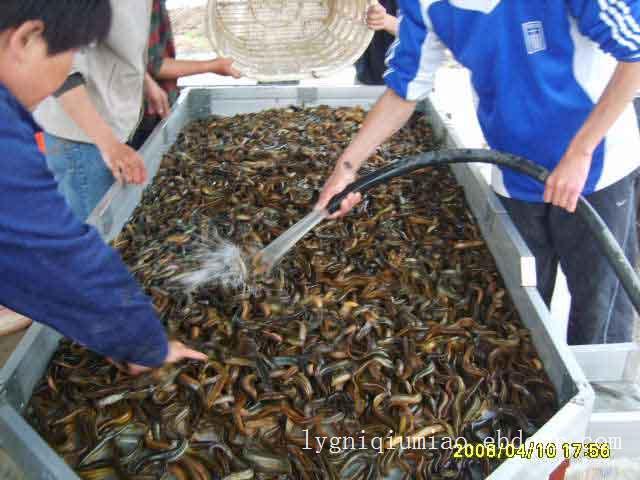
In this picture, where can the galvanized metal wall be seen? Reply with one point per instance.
(28, 363)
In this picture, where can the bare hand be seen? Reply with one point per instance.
(157, 98)
(566, 182)
(376, 17)
(336, 183)
(125, 163)
(224, 67)
(177, 351)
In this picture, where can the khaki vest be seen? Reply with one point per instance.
(114, 73)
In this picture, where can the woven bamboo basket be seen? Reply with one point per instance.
(286, 40)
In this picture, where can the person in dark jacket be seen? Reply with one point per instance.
(381, 17)
(53, 268)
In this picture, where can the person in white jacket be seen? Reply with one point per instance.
(91, 117)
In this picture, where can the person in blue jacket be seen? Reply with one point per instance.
(53, 268)
(554, 82)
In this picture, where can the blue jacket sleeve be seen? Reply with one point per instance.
(58, 271)
(416, 54)
(615, 26)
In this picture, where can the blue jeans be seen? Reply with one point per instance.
(601, 311)
(82, 176)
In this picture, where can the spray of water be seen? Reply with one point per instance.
(269, 256)
(224, 264)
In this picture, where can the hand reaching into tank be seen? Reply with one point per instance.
(177, 352)
(124, 162)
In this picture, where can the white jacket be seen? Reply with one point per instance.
(114, 74)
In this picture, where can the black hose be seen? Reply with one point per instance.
(605, 239)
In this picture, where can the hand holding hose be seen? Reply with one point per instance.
(341, 177)
(177, 352)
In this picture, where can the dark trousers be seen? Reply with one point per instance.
(601, 311)
(144, 131)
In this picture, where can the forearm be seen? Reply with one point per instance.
(119, 323)
(78, 105)
(388, 115)
(173, 69)
(391, 25)
(79, 286)
(622, 88)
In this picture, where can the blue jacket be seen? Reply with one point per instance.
(538, 67)
(58, 271)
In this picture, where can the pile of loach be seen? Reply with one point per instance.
(378, 342)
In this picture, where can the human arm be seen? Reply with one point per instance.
(411, 70)
(605, 25)
(388, 115)
(566, 182)
(59, 272)
(172, 69)
(124, 162)
(379, 19)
